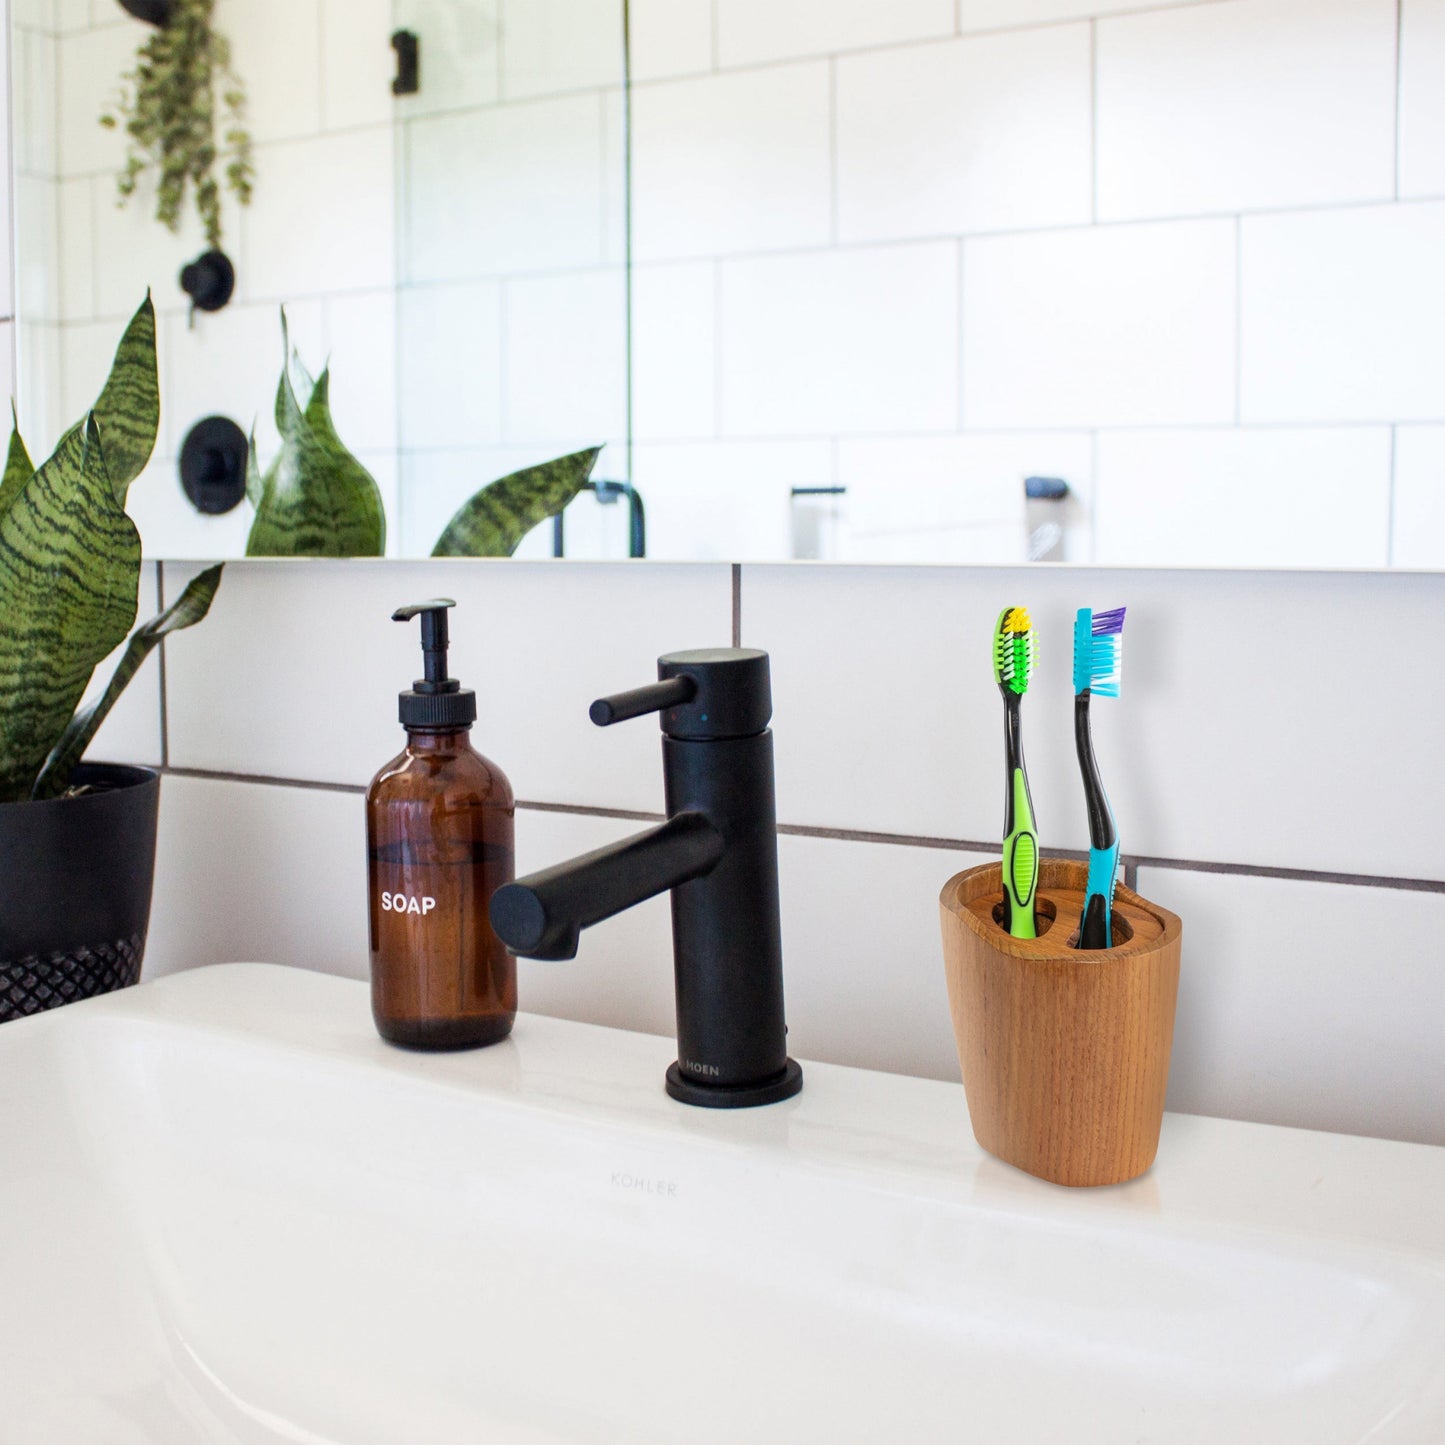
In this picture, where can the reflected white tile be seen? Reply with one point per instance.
(1001, 14)
(538, 641)
(449, 364)
(361, 347)
(252, 872)
(920, 483)
(344, 185)
(134, 252)
(1422, 97)
(674, 348)
(358, 63)
(131, 732)
(1341, 313)
(669, 38)
(1419, 527)
(1182, 759)
(724, 500)
(534, 197)
(35, 102)
(1359, 984)
(749, 31)
(229, 363)
(565, 358)
(622, 975)
(840, 342)
(1114, 326)
(731, 163)
(552, 46)
(38, 352)
(1227, 107)
(279, 76)
(90, 65)
(459, 57)
(170, 527)
(862, 954)
(86, 353)
(74, 263)
(984, 134)
(36, 249)
(35, 14)
(1244, 498)
(71, 14)
(990, 544)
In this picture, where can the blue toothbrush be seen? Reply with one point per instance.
(1098, 652)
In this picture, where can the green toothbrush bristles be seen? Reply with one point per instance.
(1014, 649)
(1098, 651)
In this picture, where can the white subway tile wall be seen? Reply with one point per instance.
(1422, 98)
(1419, 497)
(1282, 174)
(1308, 1004)
(887, 740)
(1174, 216)
(1235, 107)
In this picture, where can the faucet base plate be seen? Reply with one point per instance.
(734, 1096)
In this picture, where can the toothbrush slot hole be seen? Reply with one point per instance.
(1123, 931)
(1044, 914)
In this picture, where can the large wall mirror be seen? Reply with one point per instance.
(908, 280)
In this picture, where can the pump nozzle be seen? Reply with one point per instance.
(435, 700)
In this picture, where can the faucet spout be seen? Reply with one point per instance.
(541, 916)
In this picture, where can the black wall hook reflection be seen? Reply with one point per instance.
(407, 45)
(209, 281)
(153, 12)
(213, 465)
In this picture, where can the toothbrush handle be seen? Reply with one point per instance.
(1096, 928)
(1020, 862)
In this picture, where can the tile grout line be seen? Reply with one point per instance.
(1093, 120)
(1238, 320)
(1390, 500)
(1131, 863)
(1399, 95)
(161, 651)
(833, 224)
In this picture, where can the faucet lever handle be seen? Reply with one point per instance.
(655, 697)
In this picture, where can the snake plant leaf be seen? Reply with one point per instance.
(493, 521)
(18, 467)
(254, 485)
(187, 610)
(129, 407)
(317, 500)
(69, 573)
(289, 406)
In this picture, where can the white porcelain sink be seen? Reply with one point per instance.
(228, 1212)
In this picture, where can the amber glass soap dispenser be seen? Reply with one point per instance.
(439, 830)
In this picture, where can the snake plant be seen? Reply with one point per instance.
(70, 563)
(316, 500)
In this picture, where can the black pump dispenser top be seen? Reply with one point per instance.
(435, 700)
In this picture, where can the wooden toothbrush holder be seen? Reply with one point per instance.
(1065, 1053)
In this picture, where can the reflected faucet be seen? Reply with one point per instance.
(717, 852)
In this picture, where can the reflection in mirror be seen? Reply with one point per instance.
(453, 252)
(924, 281)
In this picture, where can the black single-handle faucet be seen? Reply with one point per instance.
(717, 852)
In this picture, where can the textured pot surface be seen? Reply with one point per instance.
(75, 877)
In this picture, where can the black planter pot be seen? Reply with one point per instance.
(75, 889)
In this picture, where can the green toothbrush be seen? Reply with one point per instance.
(1013, 660)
